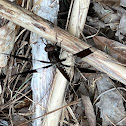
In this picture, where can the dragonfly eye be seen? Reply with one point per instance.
(49, 48)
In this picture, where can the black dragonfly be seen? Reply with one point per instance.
(53, 55)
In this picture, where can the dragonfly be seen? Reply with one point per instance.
(53, 55)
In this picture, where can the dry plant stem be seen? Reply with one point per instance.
(9, 73)
(56, 99)
(17, 79)
(12, 102)
(70, 43)
(76, 26)
(89, 111)
(41, 26)
(68, 17)
(42, 80)
(78, 17)
(7, 36)
(72, 103)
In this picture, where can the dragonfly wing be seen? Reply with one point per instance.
(83, 53)
(86, 70)
(63, 71)
(31, 71)
(47, 66)
(27, 59)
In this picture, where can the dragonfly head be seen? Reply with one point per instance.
(49, 48)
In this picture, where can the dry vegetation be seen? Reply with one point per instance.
(92, 98)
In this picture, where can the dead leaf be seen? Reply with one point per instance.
(121, 30)
(113, 48)
(24, 103)
(123, 3)
(110, 2)
(107, 15)
(111, 103)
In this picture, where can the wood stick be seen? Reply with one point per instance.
(46, 29)
(76, 26)
(42, 80)
(40, 26)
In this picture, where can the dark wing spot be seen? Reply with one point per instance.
(83, 53)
